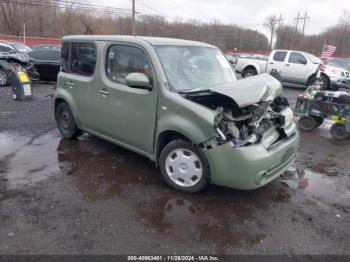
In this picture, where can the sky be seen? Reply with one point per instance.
(246, 13)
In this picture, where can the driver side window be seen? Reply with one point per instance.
(123, 60)
(297, 58)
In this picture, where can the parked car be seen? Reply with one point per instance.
(46, 47)
(338, 71)
(47, 63)
(294, 67)
(231, 59)
(17, 53)
(180, 104)
(343, 63)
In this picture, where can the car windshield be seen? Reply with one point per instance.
(195, 68)
(21, 47)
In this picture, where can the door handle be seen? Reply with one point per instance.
(271, 63)
(70, 84)
(104, 92)
(287, 64)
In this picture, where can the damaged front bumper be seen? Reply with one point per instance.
(252, 166)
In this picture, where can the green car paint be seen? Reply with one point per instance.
(137, 117)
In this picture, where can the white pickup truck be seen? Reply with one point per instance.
(294, 68)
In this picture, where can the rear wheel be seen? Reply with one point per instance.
(338, 131)
(184, 167)
(3, 78)
(307, 123)
(65, 121)
(249, 72)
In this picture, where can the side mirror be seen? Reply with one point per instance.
(138, 80)
(302, 61)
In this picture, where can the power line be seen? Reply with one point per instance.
(154, 10)
(73, 6)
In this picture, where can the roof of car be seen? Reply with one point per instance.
(150, 40)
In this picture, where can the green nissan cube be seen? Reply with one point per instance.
(179, 103)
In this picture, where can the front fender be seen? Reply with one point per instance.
(183, 126)
(176, 113)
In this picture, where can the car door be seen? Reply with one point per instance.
(276, 62)
(127, 115)
(77, 77)
(295, 68)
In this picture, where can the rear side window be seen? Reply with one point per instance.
(123, 60)
(65, 57)
(279, 56)
(83, 59)
(296, 58)
(4, 48)
(46, 55)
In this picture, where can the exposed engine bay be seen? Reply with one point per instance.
(247, 125)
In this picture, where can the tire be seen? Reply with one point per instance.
(65, 121)
(307, 123)
(319, 120)
(338, 131)
(325, 82)
(184, 167)
(249, 73)
(4, 79)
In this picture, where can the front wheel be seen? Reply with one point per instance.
(184, 167)
(4, 80)
(325, 83)
(65, 121)
(338, 131)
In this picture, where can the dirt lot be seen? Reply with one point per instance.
(88, 196)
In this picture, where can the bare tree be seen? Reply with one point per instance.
(9, 12)
(270, 24)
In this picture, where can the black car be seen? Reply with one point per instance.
(47, 62)
(46, 47)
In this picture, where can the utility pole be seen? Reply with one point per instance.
(297, 19)
(133, 18)
(304, 18)
(279, 20)
(275, 21)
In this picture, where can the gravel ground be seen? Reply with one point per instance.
(89, 196)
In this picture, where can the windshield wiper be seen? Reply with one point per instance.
(195, 91)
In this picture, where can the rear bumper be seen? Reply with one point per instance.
(252, 166)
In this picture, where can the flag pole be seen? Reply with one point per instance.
(324, 43)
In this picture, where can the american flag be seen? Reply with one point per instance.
(328, 50)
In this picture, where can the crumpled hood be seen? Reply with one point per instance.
(251, 90)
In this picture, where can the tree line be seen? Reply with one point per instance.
(56, 22)
(49, 21)
(287, 37)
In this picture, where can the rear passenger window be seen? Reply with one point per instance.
(65, 57)
(279, 56)
(123, 60)
(83, 59)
